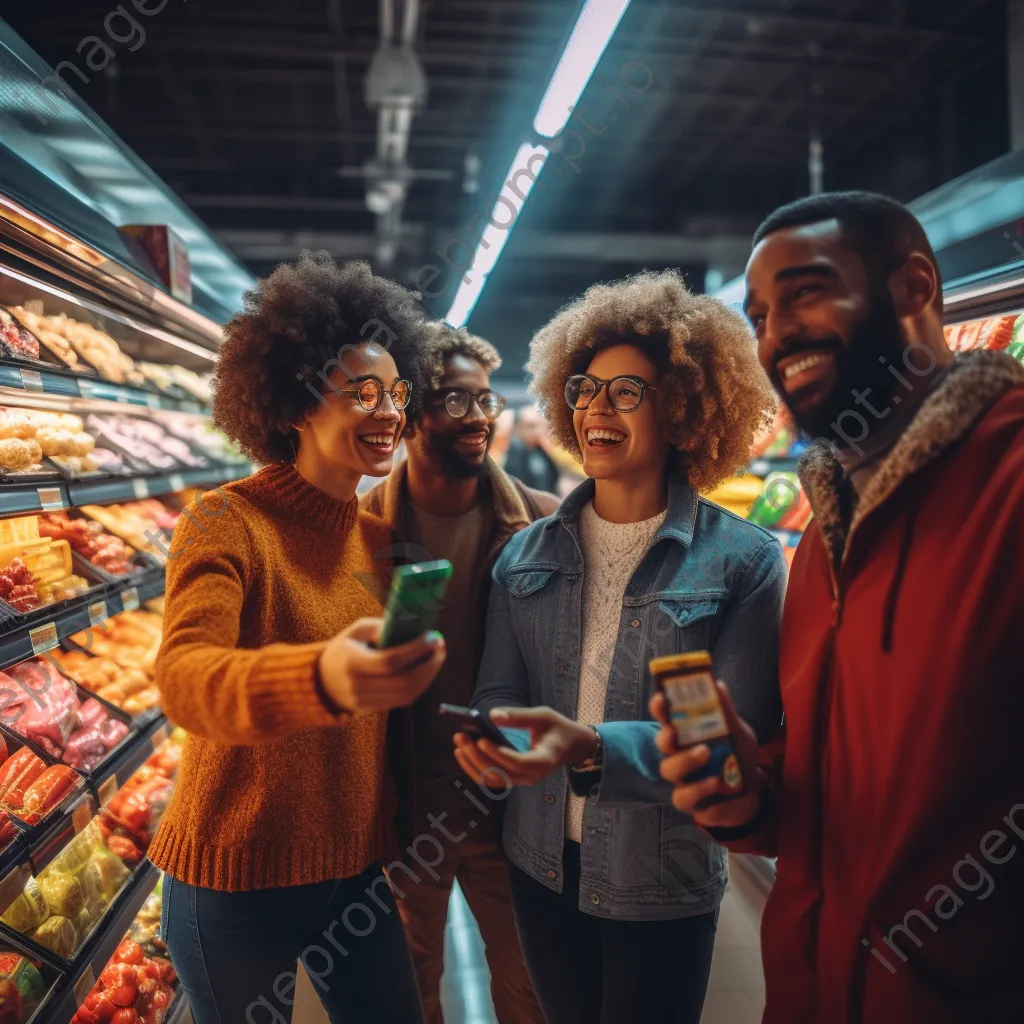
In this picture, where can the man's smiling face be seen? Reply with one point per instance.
(824, 328)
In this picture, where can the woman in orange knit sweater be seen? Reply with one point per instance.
(284, 808)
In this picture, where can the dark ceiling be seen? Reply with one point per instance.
(254, 112)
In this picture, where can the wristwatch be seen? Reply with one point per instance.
(585, 776)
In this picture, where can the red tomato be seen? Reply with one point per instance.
(162, 997)
(100, 1004)
(126, 1016)
(123, 994)
(85, 1016)
(129, 952)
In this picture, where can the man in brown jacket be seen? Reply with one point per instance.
(449, 499)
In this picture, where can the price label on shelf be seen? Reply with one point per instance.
(98, 613)
(43, 638)
(31, 380)
(108, 788)
(85, 388)
(177, 482)
(50, 498)
(140, 487)
(153, 401)
(85, 984)
(81, 815)
(129, 599)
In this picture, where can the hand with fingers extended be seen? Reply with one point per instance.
(680, 764)
(555, 742)
(358, 677)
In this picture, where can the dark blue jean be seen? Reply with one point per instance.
(598, 970)
(236, 952)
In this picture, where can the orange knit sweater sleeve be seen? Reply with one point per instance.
(207, 684)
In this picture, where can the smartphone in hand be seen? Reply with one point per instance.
(477, 724)
(416, 596)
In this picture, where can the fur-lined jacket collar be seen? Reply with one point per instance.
(974, 383)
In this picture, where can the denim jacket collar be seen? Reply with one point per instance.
(680, 520)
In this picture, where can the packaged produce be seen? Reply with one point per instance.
(17, 773)
(58, 935)
(87, 538)
(27, 435)
(89, 343)
(144, 440)
(11, 1009)
(54, 342)
(43, 706)
(29, 910)
(134, 988)
(206, 437)
(25, 976)
(1016, 347)
(145, 525)
(49, 789)
(42, 563)
(16, 338)
(63, 893)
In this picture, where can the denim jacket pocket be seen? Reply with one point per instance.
(522, 582)
(684, 611)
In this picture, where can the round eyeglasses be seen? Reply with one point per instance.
(458, 400)
(371, 391)
(624, 393)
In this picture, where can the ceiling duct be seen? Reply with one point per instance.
(396, 88)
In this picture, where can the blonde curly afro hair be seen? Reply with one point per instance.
(711, 388)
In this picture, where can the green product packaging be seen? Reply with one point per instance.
(1016, 348)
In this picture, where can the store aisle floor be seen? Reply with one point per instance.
(735, 993)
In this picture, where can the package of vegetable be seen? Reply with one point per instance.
(49, 789)
(17, 773)
(11, 1009)
(28, 911)
(26, 977)
(58, 935)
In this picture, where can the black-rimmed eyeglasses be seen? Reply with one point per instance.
(625, 393)
(458, 400)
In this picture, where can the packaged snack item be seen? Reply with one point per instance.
(1016, 348)
(18, 340)
(996, 333)
(58, 935)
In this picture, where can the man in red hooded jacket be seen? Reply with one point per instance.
(894, 801)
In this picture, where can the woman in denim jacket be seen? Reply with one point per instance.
(660, 393)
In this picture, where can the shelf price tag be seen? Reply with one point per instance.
(177, 483)
(31, 380)
(43, 638)
(81, 815)
(108, 789)
(153, 401)
(84, 984)
(140, 487)
(98, 613)
(85, 388)
(129, 599)
(50, 498)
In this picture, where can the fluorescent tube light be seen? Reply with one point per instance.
(594, 28)
(526, 168)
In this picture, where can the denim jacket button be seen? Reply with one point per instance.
(552, 874)
(595, 899)
(549, 798)
(636, 622)
(561, 670)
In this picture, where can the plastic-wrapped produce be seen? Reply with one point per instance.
(29, 910)
(58, 935)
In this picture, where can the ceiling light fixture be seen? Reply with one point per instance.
(511, 200)
(594, 28)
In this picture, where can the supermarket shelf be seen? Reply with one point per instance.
(19, 499)
(112, 776)
(81, 973)
(69, 385)
(45, 634)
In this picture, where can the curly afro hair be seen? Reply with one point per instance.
(711, 387)
(290, 336)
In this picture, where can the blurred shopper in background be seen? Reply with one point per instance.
(502, 436)
(449, 500)
(901, 800)
(528, 458)
(617, 907)
(285, 805)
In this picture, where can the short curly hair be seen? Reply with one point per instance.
(292, 333)
(711, 387)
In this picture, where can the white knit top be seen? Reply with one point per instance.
(612, 552)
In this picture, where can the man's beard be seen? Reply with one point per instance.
(861, 366)
(450, 462)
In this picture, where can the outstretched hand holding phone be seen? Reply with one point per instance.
(679, 764)
(358, 677)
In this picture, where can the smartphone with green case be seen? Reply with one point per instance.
(416, 596)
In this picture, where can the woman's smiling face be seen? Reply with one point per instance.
(621, 444)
